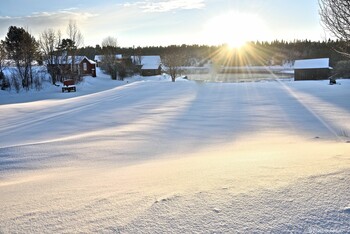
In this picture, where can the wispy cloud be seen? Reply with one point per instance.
(71, 13)
(36, 22)
(167, 5)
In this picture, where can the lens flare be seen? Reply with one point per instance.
(234, 29)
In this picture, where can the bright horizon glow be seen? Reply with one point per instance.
(236, 44)
(234, 29)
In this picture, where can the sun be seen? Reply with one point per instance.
(234, 29)
(236, 43)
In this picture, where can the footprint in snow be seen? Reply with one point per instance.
(216, 210)
(166, 199)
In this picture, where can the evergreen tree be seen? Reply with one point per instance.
(23, 49)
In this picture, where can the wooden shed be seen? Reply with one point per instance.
(312, 69)
(151, 70)
(150, 65)
(87, 67)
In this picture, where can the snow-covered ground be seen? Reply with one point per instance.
(90, 85)
(185, 157)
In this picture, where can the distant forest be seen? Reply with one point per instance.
(253, 54)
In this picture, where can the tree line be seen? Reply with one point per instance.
(253, 53)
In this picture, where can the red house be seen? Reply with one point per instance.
(82, 65)
(87, 67)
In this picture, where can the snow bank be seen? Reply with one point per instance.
(159, 157)
(89, 85)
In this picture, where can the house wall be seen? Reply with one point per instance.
(77, 68)
(311, 74)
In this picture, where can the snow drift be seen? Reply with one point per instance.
(155, 157)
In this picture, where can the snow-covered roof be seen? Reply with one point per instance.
(68, 60)
(92, 61)
(98, 58)
(148, 62)
(311, 63)
(150, 59)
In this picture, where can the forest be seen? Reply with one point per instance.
(252, 54)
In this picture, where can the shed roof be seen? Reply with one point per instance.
(68, 60)
(91, 61)
(311, 63)
(148, 62)
(150, 59)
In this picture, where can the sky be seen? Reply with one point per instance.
(168, 22)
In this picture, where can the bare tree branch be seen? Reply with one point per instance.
(74, 33)
(335, 17)
(48, 42)
(109, 59)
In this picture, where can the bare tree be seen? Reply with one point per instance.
(48, 42)
(335, 16)
(76, 37)
(3, 81)
(109, 59)
(173, 62)
(74, 33)
(3, 56)
(110, 42)
(137, 56)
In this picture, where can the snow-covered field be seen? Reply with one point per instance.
(185, 157)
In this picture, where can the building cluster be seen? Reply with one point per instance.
(147, 65)
(151, 65)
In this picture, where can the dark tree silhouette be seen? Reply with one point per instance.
(23, 49)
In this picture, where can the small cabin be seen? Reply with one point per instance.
(312, 69)
(150, 65)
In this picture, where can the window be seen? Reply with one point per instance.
(85, 66)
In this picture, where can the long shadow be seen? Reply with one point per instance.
(325, 92)
(170, 122)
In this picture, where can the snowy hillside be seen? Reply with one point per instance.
(183, 157)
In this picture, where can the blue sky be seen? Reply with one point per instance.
(165, 22)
